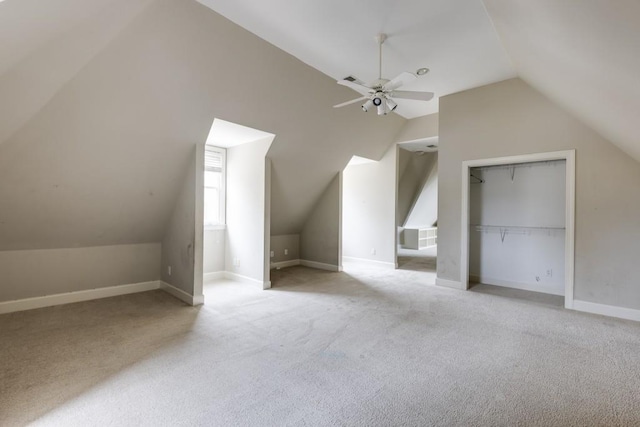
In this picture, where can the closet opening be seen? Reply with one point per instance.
(518, 223)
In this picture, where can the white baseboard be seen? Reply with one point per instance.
(244, 279)
(532, 287)
(77, 296)
(607, 310)
(371, 262)
(182, 295)
(283, 264)
(216, 275)
(450, 284)
(320, 265)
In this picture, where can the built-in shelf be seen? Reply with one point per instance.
(420, 238)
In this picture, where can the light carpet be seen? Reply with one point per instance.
(365, 347)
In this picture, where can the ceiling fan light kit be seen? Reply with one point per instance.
(381, 92)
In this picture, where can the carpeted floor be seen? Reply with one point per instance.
(366, 347)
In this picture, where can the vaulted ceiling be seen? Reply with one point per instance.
(583, 54)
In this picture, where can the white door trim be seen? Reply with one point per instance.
(570, 204)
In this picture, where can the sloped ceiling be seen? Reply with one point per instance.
(454, 38)
(100, 158)
(584, 55)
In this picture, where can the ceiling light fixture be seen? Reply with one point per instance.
(422, 71)
(383, 104)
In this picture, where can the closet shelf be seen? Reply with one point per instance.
(504, 230)
(483, 227)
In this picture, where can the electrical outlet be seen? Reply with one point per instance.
(373, 251)
(169, 270)
(550, 273)
(286, 251)
(236, 261)
(273, 254)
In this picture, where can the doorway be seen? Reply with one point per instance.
(417, 205)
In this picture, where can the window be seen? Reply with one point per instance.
(214, 186)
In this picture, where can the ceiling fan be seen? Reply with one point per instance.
(381, 92)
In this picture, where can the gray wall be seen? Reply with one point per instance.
(246, 209)
(213, 251)
(423, 211)
(34, 273)
(291, 242)
(320, 237)
(419, 128)
(178, 244)
(369, 210)
(511, 118)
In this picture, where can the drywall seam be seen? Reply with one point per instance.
(77, 296)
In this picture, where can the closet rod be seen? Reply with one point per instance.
(512, 165)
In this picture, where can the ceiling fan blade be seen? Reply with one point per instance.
(410, 94)
(402, 79)
(363, 90)
(353, 101)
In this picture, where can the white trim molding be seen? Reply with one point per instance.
(320, 265)
(76, 296)
(570, 204)
(453, 284)
(245, 279)
(607, 310)
(284, 264)
(371, 262)
(531, 287)
(216, 275)
(182, 295)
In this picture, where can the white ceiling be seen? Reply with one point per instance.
(227, 135)
(455, 39)
(584, 55)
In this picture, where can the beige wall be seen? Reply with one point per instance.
(320, 237)
(369, 210)
(213, 251)
(511, 118)
(178, 244)
(246, 209)
(419, 128)
(34, 273)
(290, 242)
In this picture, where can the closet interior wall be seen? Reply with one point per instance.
(517, 226)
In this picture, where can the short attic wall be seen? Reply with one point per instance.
(36, 273)
(321, 235)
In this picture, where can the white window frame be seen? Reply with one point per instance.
(223, 186)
